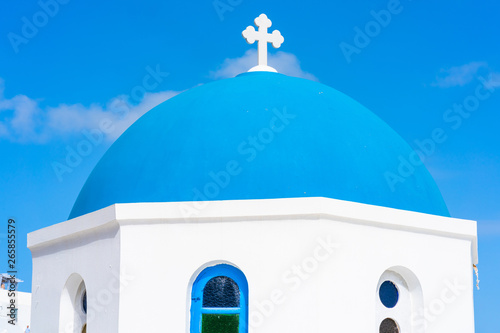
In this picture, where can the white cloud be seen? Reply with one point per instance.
(19, 116)
(459, 75)
(130, 115)
(24, 121)
(285, 63)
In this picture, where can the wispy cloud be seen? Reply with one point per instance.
(283, 62)
(20, 116)
(459, 75)
(23, 120)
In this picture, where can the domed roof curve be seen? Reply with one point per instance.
(259, 135)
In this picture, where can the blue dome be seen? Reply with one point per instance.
(258, 136)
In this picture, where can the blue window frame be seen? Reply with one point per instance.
(219, 301)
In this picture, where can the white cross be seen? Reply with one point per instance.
(263, 37)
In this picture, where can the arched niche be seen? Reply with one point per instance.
(73, 306)
(399, 301)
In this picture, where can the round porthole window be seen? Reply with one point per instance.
(388, 294)
(388, 325)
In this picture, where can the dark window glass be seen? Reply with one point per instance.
(389, 294)
(388, 325)
(84, 302)
(220, 323)
(221, 292)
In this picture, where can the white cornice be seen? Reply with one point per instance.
(256, 210)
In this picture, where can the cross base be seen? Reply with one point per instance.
(262, 68)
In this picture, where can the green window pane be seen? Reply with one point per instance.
(220, 323)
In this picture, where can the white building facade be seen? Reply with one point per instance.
(311, 264)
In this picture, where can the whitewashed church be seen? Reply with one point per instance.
(261, 203)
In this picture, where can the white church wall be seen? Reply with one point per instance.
(311, 263)
(267, 251)
(92, 255)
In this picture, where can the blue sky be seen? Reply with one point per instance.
(66, 67)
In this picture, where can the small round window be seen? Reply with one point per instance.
(388, 325)
(388, 294)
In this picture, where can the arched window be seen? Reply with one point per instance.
(219, 301)
(399, 302)
(73, 306)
